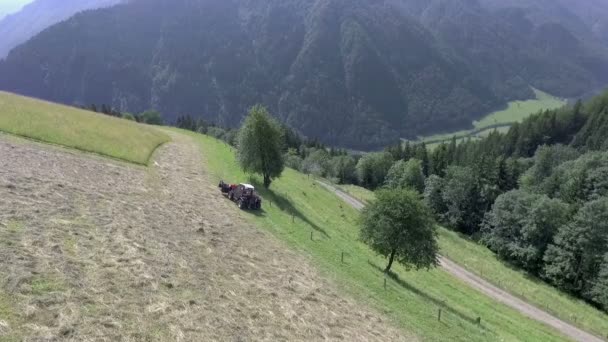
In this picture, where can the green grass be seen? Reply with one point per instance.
(43, 285)
(358, 192)
(79, 129)
(516, 111)
(483, 262)
(411, 300)
(15, 226)
(8, 315)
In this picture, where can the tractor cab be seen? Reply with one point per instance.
(243, 194)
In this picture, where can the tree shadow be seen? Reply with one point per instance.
(442, 304)
(284, 205)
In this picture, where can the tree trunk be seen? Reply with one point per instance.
(267, 181)
(390, 261)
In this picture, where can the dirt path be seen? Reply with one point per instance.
(489, 289)
(97, 250)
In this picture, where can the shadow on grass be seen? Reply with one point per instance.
(284, 205)
(442, 304)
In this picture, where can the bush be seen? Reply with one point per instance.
(151, 117)
(128, 116)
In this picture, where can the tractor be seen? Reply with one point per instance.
(243, 194)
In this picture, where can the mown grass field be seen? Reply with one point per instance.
(312, 220)
(516, 111)
(481, 261)
(79, 129)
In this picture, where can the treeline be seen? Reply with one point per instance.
(151, 117)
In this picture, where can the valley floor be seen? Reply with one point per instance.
(98, 250)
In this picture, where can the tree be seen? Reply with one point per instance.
(521, 225)
(433, 189)
(406, 175)
(573, 261)
(423, 155)
(398, 226)
(293, 160)
(186, 122)
(461, 195)
(439, 160)
(343, 168)
(546, 159)
(128, 116)
(151, 117)
(372, 169)
(260, 145)
(317, 163)
(599, 292)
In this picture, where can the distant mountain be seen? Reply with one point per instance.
(355, 73)
(17, 28)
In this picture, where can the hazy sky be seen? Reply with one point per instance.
(11, 6)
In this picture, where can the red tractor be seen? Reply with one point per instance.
(243, 194)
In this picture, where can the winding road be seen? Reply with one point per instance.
(490, 290)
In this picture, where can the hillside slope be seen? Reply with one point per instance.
(297, 208)
(92, 249)
(481, 269)
(79, 129)
(351, 73)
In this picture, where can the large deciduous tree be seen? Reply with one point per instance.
(574, 261)
(372, 169)
(406, 175)
(461, 195)
(260, 145)
(521, 225)
(399, 226)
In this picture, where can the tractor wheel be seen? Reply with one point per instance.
(241, 205)
(231, 196)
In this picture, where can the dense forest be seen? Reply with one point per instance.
(351, 73)
(537, 195)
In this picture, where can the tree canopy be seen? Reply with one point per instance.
(521, 225)
(399, 226)
(260, 145)
(406, 174)
(372, 169)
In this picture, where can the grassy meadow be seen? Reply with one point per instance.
(79, 129)
(482, 262)
(517, 111)
(501, 120)
(312, 220)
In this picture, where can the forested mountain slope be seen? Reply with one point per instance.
(33, 18)
(352, 73)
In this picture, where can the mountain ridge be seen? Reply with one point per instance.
(33, 18)
(356, 73)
